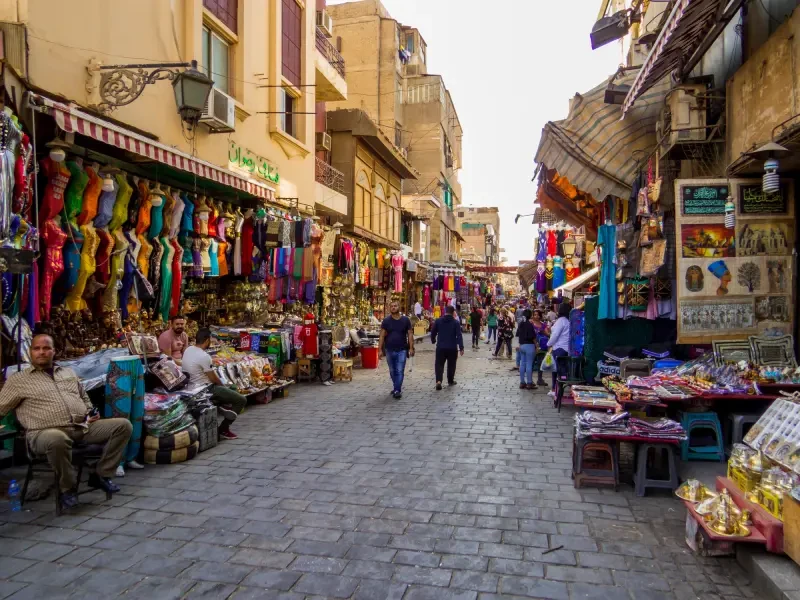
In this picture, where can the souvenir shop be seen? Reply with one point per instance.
(560, 253)
(448, 287)
(684, 352)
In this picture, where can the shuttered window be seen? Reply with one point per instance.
(292, 40)
(226, 11)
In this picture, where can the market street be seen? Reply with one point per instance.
(343, 492)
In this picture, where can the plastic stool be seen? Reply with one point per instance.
(589, 471)
(735, 426)
(704, 420)
(641, 479)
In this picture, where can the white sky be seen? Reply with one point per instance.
(511, 66)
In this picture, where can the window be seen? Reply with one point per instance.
(362, 200)
(410, 42)
(380, 216)
(216, 59)
(398, 135)
(226, 11)
(292, 40)
(287, 119)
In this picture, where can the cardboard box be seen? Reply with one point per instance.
(791, 527)
(290, 370)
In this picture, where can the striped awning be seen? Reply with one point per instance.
(594, 149)
(71, 119)
(689, 30)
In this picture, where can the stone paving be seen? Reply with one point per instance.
(342, 492)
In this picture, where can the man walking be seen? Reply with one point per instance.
(475, 318)
(446, 334)
(396, 344)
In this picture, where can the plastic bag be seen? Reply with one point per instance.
(165, 414)
(548, 364)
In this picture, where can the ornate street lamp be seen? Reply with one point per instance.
(120, 85)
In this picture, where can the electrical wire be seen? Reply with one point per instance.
(764, 8)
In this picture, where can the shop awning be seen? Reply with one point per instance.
(593, 148)
(580, 280)
(687, 33)
(71, 119)
(527, 274)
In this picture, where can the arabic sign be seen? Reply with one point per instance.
(753, 201)
(243, 160)
(704, 199)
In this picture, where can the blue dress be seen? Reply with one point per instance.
(607, 240)
(542, 250)
(156, 218)
(559, 274)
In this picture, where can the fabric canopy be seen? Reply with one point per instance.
(580, 280)
(688, 31)
(73, 120)
(593, 148)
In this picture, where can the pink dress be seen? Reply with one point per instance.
(397, 265)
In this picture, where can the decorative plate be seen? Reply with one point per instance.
(773, 351)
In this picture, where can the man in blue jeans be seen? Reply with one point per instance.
(396, 344)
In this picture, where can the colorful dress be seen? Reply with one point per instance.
(607, 240)
(54, 238)
(125, 399)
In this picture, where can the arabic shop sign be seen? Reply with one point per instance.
(243, 160)
(704, 199)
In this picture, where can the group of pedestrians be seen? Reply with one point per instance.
(534, 330)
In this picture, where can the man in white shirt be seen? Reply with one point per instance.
(197, 365)
(418, 309)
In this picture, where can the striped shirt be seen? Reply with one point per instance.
(44, 401)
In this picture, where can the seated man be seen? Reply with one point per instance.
(174, 341)
(197, 364)
(55, 412)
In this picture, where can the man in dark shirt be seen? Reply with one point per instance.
(448, 333)
(396, 344)
(475, 318)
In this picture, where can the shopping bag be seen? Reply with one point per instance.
(548, 363)
(410, 364)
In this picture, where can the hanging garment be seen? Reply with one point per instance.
(103, 259)
(426, 297)
(201, 214)
(157, 205)
(548, 272)
(552, 243)
(222, 258)
(33, 314)
(285, 234)
(560, 237)
(237, 250)
(167, 274)
(143, 258)
(53, 266)
(91, 195)
(177, 215)
(177, 278)
(571, 268)
(155, 269)
(247, 246)
(197, 259)
(166, 213)
(125, 399)
(119, 213)
(111, 293)
(542, 244)
(187, 218)
(559, 275)
(72, 260)
(213, 216)
(205, 256)
(73, 196)
(214, 259)
(607, 241)
(23, 171)
(397, 265)
(53, 198)
(105, 206)
(541, 279)
(145, 208)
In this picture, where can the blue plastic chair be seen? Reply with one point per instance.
(705, 420)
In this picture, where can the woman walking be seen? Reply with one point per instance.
(527, 350)
(558, 342)
(542, 330)
(505, 332)
(491, 325)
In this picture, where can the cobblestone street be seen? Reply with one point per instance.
(342, 492)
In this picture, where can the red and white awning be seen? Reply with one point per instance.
(71, 119)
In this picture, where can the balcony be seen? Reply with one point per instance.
(330, 74)
(330, 196)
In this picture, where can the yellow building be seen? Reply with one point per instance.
(269, 61)
(388, 79)
(480, 228)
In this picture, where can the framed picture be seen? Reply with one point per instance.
(709, 240)
(765, 238)
(715, 316)
(754, 201)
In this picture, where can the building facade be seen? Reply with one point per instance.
(387, 78)
(480, 228)
(266, 58)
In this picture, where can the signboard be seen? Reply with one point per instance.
(703, 199)
(244, 161)
(753, 201)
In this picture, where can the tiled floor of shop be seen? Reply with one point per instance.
(343, 492)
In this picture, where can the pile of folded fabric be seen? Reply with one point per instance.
(592, 423)
(657, 429)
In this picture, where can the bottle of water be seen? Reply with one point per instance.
(14, 496)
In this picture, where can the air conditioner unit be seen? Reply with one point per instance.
(220, 113)
(687, 109)
(325, 22)
(323, 141)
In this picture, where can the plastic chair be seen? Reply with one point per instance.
(736, 424)
(83, 455)
(589, 466)
(642, 477)
(569, 371)
(710, 422)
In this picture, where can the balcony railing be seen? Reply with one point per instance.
(330, 53)
(329, 176)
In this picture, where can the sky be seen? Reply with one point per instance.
(510, 66)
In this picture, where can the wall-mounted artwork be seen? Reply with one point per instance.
(772, 308)
(694, 279)
(765, 238)
(710, 240)
(716, 316)
(749, 276)
(720, 270)
(778, 275)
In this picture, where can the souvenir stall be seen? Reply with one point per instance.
(561, 250)
(449, 284)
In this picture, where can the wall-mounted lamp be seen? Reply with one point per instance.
(517, 218)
